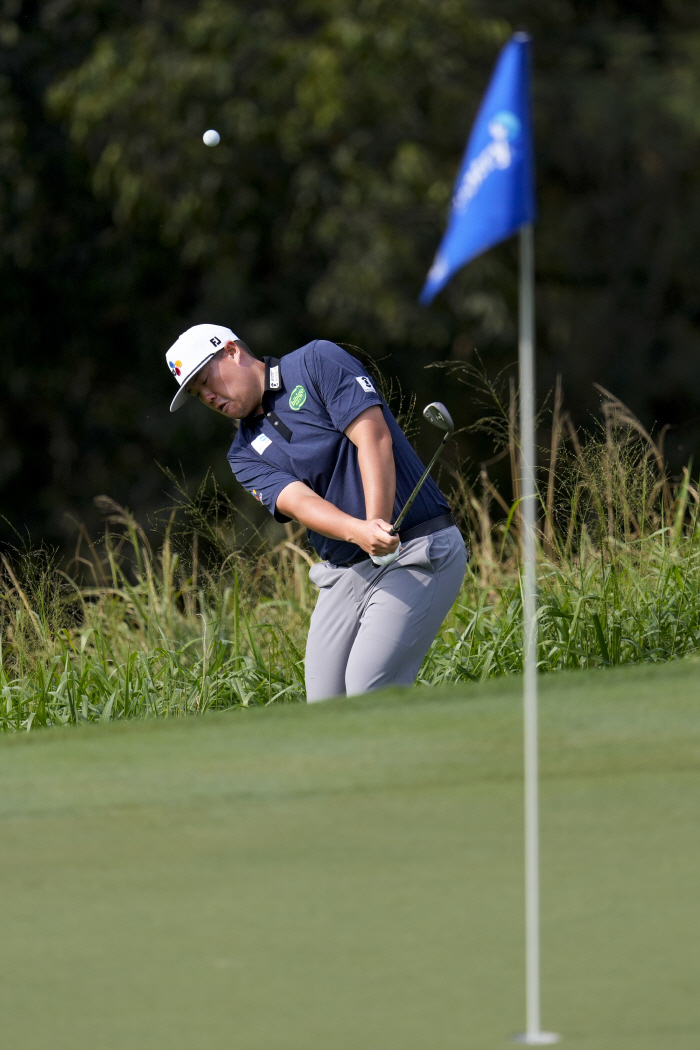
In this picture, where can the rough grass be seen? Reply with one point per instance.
(206, 621)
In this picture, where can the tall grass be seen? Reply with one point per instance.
(205, 620)
(619, 555)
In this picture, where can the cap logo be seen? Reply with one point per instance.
(175, 367)
(215, 341)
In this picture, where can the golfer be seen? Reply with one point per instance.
(318, 444)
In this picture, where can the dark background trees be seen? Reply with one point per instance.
(342, 125)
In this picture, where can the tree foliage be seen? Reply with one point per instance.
(342, 126)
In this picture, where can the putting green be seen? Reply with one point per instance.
(349, 876)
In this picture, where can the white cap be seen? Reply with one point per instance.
(191, 352)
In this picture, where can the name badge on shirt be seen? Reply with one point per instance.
(260, 444)
(366, 384)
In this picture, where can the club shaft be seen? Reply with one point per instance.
(409, 502)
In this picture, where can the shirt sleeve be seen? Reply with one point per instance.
(263, 480)
(344, 387)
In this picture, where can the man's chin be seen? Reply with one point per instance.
(234, 410)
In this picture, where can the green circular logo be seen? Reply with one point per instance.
(297, 398)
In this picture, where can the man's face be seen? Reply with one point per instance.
(232, 383)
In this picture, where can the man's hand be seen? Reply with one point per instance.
(375, 536)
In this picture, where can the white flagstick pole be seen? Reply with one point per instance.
(526, 353)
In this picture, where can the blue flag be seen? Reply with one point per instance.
(495, 190)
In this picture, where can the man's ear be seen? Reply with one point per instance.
(243, 347)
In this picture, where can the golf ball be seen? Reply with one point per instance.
(211, 138)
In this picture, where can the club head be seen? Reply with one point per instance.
(437, 414)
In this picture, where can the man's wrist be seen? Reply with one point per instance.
(354, 530)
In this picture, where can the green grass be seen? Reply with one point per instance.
(349, 875)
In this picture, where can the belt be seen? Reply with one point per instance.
(426, 528)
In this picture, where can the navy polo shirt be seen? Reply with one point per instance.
(311, 396)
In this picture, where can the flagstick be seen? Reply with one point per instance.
(526, 346)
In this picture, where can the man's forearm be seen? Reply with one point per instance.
(376, 461)
(300, 502)
(375, 456)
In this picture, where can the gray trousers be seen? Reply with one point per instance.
(373, 626)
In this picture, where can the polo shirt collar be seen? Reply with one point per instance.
(273, 383)
(273, 375)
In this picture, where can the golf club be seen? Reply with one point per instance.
(439, 417)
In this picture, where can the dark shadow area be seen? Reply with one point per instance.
(342, 126)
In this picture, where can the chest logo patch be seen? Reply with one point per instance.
(260, 444)
(366, 384)
(297, 398)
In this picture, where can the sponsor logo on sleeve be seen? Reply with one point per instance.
(260, 443)
(297, 398)
(258, 496)
(366, 384)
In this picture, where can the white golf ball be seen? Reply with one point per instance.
(211, 138)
